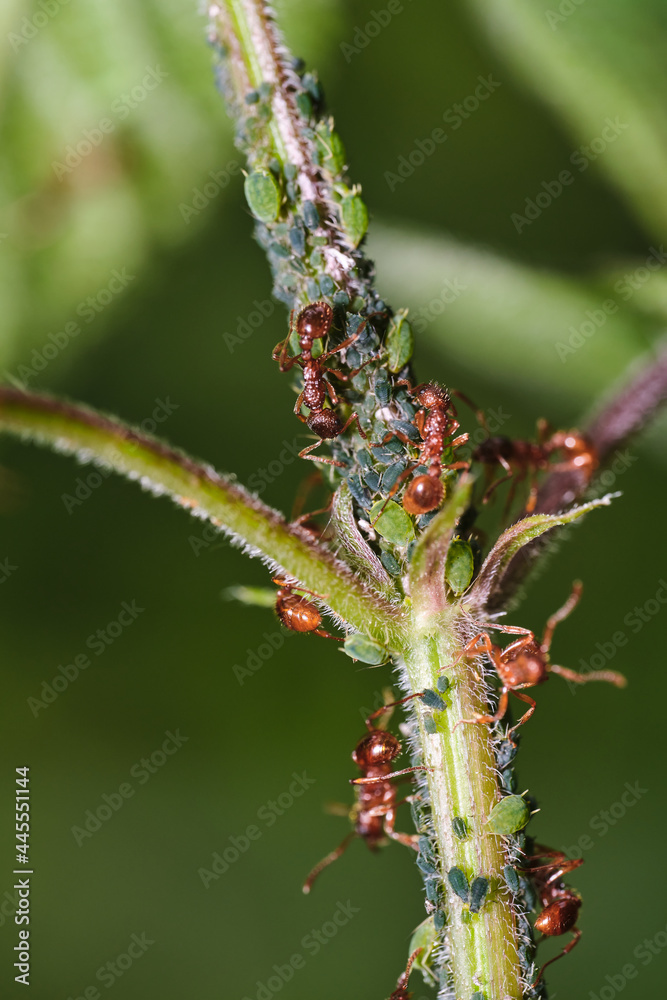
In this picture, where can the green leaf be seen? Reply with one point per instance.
(597, 63)
(490, 578)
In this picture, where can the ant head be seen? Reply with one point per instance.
(430, 394)
(560, 916)
(379, 747)
(314, 321)
(325, 423)
(424, 493)
(527, 667)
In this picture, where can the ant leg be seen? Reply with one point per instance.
(558, 616)
(305, 486)
(524, 718)
(610, 676)
(487, 719)
(497, 482)
(345, 377)
(402, 984)
(326, 635)
(350, 420)
(391, 704)
(481, 419)
(297, 407)
(394, 774)
(568, 948)
(328, 860)
(305, 453)
(395, 488)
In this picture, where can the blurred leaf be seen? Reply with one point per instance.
(590, 61)
(511, 321)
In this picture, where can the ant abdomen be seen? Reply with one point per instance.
(379, 747)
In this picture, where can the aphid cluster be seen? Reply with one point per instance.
(410, 438)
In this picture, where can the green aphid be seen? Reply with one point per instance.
(360, 647)
(509, 815)
(331, 149)
(393, 523)
(400, 342)
(459, 566)
(478, 890)
(460, 827)
(354, 216)
(263, 195)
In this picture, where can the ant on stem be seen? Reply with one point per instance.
(374, 812)
(518, 458)
(426, 491)
(313, 323)
(298, 613)
(525, 663)
(401, 991)
(560, 903)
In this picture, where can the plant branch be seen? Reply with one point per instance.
(92, 437)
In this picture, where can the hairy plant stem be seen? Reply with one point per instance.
(91, 437)
(463, 783)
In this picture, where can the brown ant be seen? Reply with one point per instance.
(374, 812)
(518, 458)
(401, 991)
(313, 323)
(426, 491)
(560, 903)
(298, 613)
(525, 663)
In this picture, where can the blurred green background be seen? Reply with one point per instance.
(153, 351)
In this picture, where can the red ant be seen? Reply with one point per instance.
(298, 613)
(374, 812)
(426, 491)
(525, 663)
(517, 458)
(401, 991)
(313, 323)
(560, 903)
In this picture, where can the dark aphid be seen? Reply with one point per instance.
(459, 883)
(478, 890)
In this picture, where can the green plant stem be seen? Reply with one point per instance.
(483, 946)
(92, 437)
